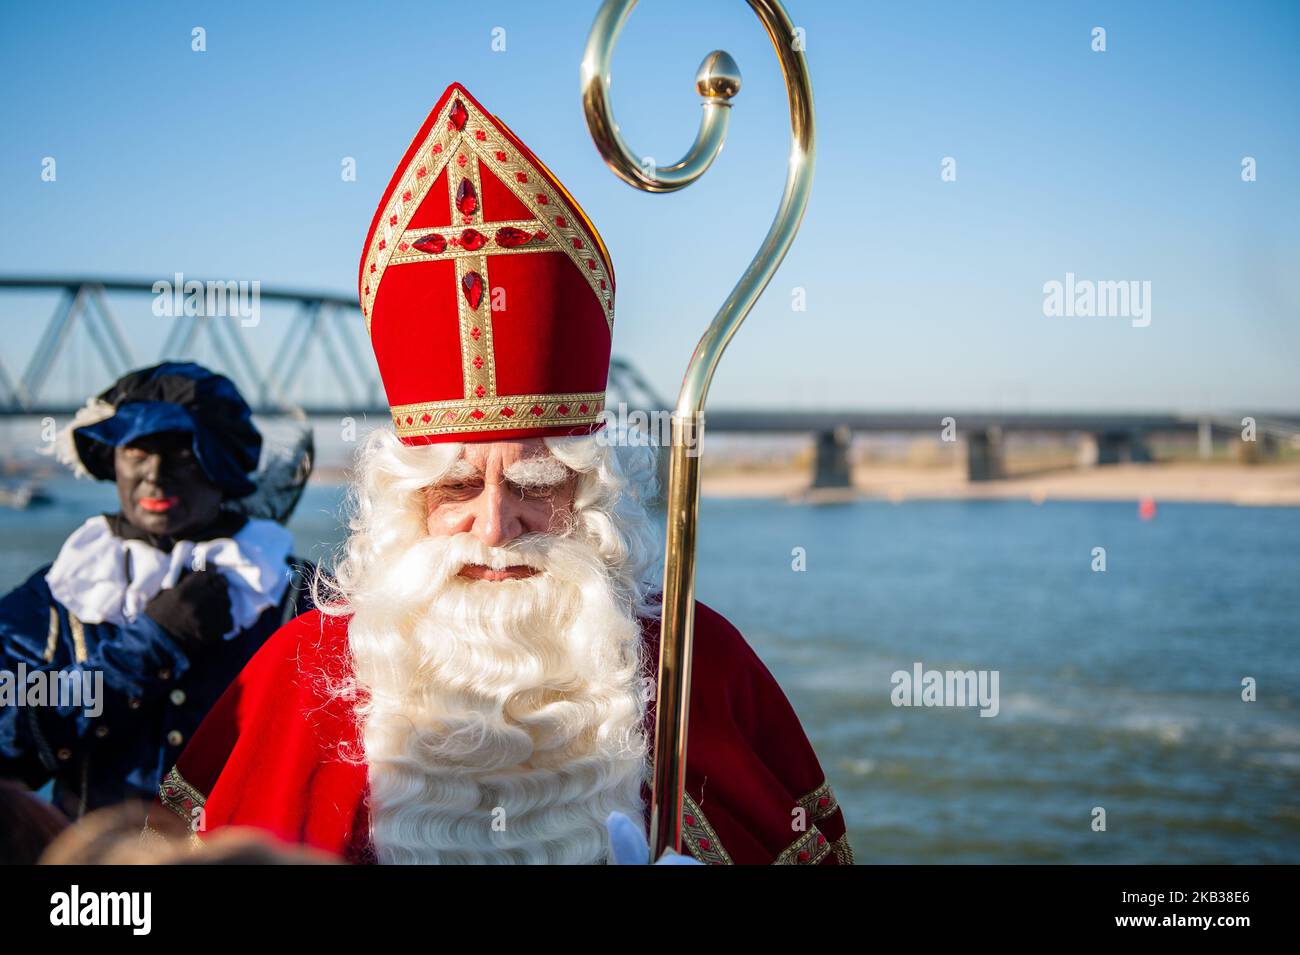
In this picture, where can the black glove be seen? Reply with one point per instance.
(196, 612)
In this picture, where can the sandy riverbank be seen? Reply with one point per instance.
(1276, 485)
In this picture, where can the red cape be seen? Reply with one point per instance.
(267, 755)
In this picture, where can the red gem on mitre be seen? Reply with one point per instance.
(472, 240)
(509, 237)
(466, 197)
(472, 283)
(459, 115)
(433, 244)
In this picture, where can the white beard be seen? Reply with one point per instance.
(502, 720)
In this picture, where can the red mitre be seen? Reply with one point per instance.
(487, 292)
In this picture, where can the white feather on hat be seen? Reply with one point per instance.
(65, 448)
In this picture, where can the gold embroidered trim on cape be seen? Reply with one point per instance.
(808, 849)
(52, 644)
(182, 798)
(843, 851)
(79, 653)
(811, 803)
(699, 837)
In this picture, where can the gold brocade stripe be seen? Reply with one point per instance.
(52, 642)
(819, 803)
(699, 837)
(561, 221)
(808, 849)
(181, 798)
(79, 653)
(407, 253)
(477, 358)
(843, 851)
(497, 414)
(478, 365)
(420, 174)
(544, 203)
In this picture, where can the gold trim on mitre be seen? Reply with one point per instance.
(567, 229)
(502, 413)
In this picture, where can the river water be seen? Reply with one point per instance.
(1118, 690)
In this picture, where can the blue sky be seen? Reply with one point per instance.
(1122, 165)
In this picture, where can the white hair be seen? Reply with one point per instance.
(386, 510)
(501, 721)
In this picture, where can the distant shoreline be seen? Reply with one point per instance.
(1265, 485)
(1274, 484)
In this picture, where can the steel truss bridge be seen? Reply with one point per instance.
(309, 355)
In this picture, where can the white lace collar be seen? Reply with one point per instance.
(90, 575)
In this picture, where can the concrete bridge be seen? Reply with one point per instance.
(1103, 437)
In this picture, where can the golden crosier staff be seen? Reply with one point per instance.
(718, 80)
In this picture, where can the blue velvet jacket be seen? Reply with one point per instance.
(154, 696)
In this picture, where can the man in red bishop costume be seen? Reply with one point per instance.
(476, 684)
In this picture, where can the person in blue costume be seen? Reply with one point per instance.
(111, 656)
